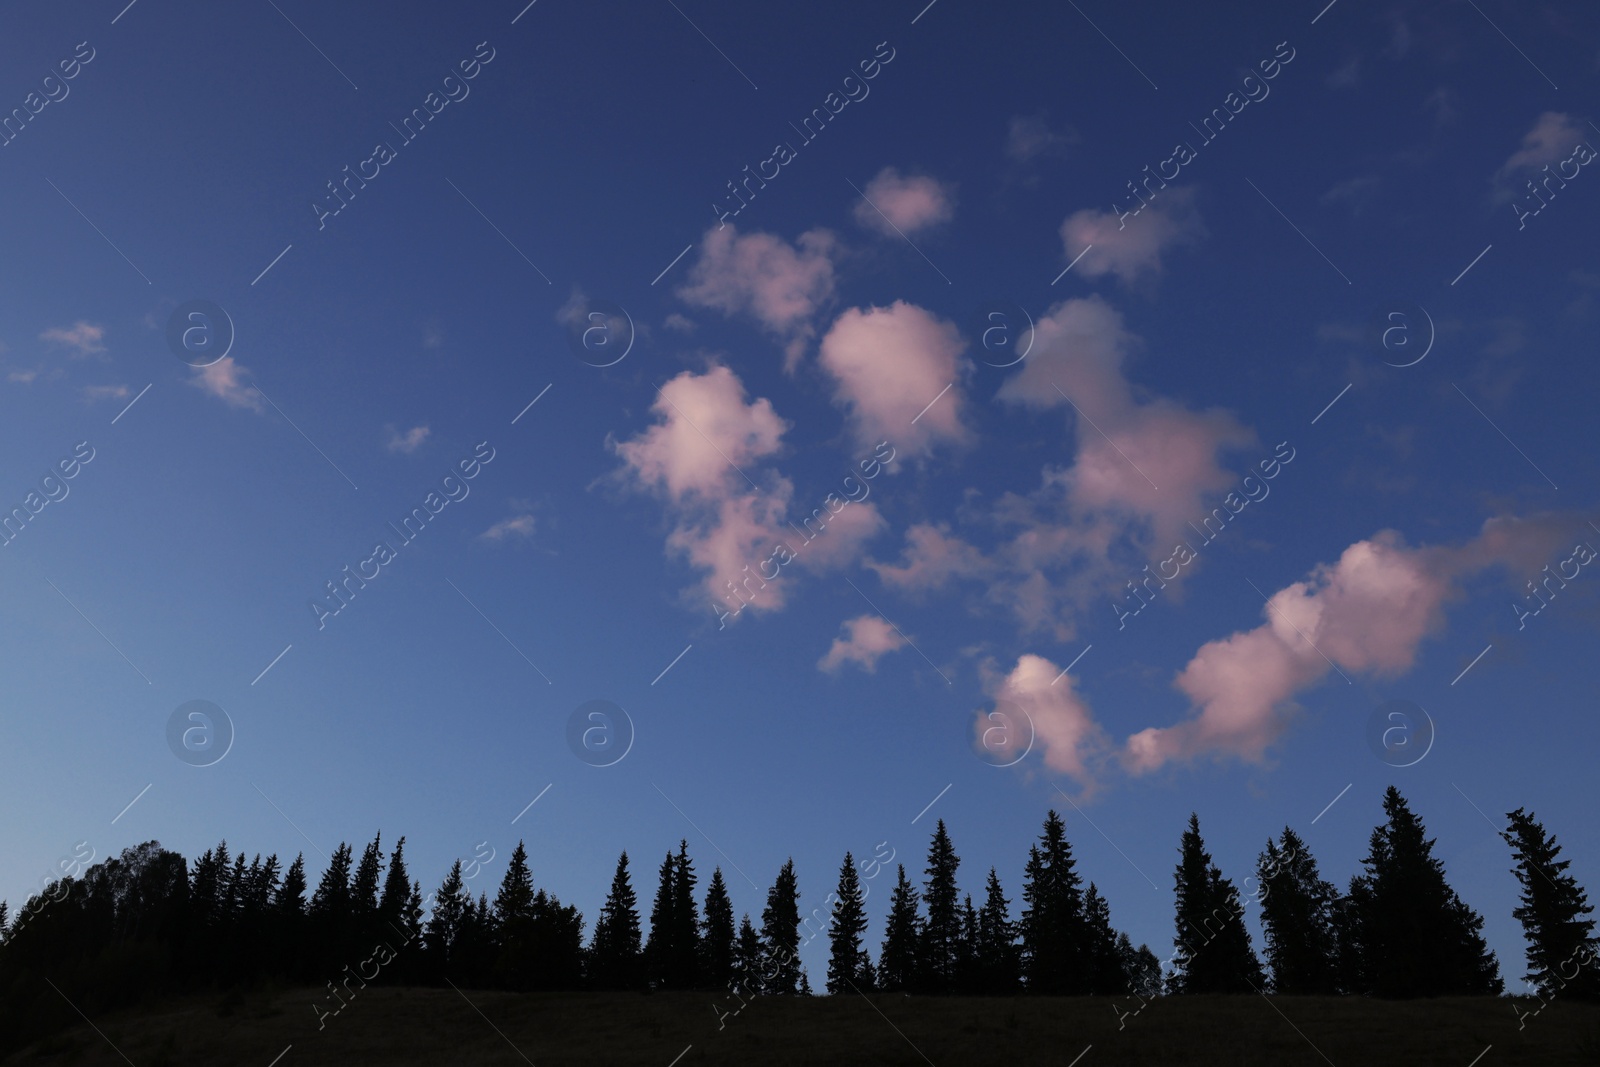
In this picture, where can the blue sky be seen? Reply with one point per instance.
(1372, 162)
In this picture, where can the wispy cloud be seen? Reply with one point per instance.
(81, 338)
(409, 441)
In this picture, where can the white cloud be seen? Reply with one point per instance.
(1553, 137)
(1029, 136)
(1064, 729)
(92, 393)
(867, 639)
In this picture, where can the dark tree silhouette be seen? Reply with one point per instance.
(1213, 947)
(747, 961)
(1102, 962)
(717, 934)
(998, 961)
(940, 946)
(1298, 910)
(846, 959)
(780, 934)
(897, 961)
(1412, 935)
(444, 938)
(614, 955)
(1563, 955)
(1052, 926)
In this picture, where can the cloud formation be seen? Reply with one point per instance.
(1131, 247)
(1553, 137)
(409, 441)
(82, 338)
(516, 526)
(781, 286)
(867, 639)
(888, 365)
(1064, 730)
(897, 205)
(225, 380)
(1141, 471)
(1366, 613)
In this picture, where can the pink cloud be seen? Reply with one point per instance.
(901, 206)
(1141, 471)
(1553, 137)
(868, 638)
(1131, 245)
(517, 526)
(409, 441)
(889, 365)
(1369, 612)
(82, 337)
(1064, 729)
(225, 380)
(781, 286)
(931, 558)
(705, 431)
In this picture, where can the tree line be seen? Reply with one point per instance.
(148, 923)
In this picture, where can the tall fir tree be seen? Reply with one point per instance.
(1413, 935)
(392, 905)
(1213, 946)
(1051, 927)
(444, 936)
(513, 931)
(658, 947)
(747, 961)
(717, 934)
(1562, 950)
(996, 951)
(941, 930)
(780, 934)
(364, 888)
(614, 953)
(1103, 963)
(684, 968)
(897, 960)
(845, 928)
(1298, 910)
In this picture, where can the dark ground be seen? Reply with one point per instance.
(404, 1027)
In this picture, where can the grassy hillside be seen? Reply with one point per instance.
(404, 1027)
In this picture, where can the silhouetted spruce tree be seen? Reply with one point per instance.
(780, 934)
(364, 887)
(967, 976)
(614, 954)
(1214, 953)
(897, 961)
(1562, 950)
(847, 924)
(747, 957)
(1140, 966)
(941, 930)
(1416, 937)
(513, 933)
(554, 949)
(330, 913)
(1297, 913)
(999, 973)
(289, 949)
(447, 920)
(1052, 915)
(1101, 959)
(684, 965)
(658, 947)
(396, 892)
(717, 934)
